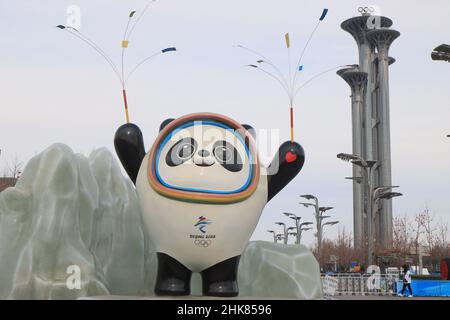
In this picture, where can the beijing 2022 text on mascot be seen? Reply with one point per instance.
(202, 190)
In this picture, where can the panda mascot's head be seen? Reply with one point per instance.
(206, 158)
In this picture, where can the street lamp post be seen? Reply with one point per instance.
(441, 52)
(274, 235)
(298, 226)
(285, 231)
(298, 235)
(378, 195)
(300, 231)
(330, 223)
(367, 165)
(279, 237)
(374, 195)
(318, 214)
(322, 210)
(297, 221)
(292, 233)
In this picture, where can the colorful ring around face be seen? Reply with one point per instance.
(203, 197)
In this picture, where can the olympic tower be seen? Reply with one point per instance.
(369, 83)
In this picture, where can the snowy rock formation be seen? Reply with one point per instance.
(68, 210)
(71, 215)
(274, 270)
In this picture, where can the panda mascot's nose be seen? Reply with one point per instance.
(203, 153)
(203, 158)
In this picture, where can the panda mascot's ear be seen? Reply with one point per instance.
(164, 124)
(250, 129)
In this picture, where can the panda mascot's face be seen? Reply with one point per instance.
(204, 158)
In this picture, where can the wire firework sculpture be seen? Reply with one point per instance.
(122, 74)
(287, 82)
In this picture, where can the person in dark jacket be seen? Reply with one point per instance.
(406, 281)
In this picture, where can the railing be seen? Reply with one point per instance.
(359, 284)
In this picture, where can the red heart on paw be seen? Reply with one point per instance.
(291, 157)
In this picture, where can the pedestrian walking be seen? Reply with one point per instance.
(406, 282)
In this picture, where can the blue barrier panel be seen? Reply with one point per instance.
(427, 288)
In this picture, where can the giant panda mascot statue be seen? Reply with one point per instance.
(202, 190)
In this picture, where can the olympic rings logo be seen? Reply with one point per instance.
(202, 243)
(365, 10)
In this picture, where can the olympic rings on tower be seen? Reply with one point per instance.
(365, 10)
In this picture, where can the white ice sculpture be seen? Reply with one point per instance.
(69, 213)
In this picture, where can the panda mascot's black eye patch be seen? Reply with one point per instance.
(181, 151)
(227, 156)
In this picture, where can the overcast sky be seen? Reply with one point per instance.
(56, 89)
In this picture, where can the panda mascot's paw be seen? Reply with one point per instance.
(129, 145)
(286, 164)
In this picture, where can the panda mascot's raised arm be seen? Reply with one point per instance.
(129, 145)
(202, 190)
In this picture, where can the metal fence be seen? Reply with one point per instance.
(359, 284)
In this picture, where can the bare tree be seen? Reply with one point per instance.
(418, 230)
(441, 248)
(342, 248)
(410, 233)
(442, 231)
(401, 234)
(14, 169)
(429, 229)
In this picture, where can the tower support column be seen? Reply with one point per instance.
(357, 81)
(382, 39)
